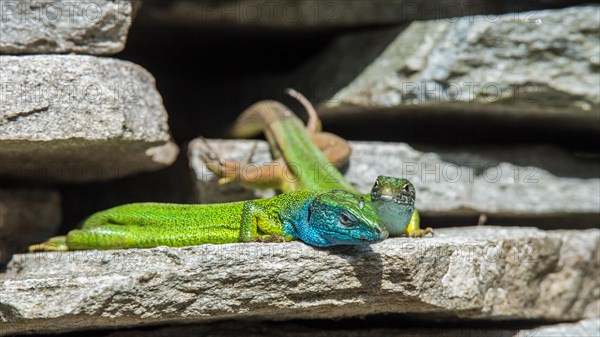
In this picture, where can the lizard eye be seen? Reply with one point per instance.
(345, 220)
(406, 188)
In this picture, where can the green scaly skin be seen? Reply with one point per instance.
(393, 198)
(318, 218)
(288, 138)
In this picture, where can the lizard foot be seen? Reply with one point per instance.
(227, 171)
(421, 233)
(250, 176)
(270, 238)
(413, 230)
(55, 244)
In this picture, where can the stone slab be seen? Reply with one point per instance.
(97, 27)
(491, 273)
(540, 64)
(75, 118)
(472, 273)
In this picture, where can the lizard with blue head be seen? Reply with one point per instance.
(311, 156)
(338, 218)
(318, 218)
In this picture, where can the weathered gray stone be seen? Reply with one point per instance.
(26, 216)
(80, 118)
(481, 272)
(97, 27)
(587, 327)
(537, 64)
(392, 327)
(339, 63)
(527, 180)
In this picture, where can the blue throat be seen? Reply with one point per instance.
(302, 226)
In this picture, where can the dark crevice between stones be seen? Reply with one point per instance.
(425, 324)
(432, 126)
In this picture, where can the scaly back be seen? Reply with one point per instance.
(285, 130)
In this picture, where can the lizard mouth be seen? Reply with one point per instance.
(360, 238)
(397, 199)
(386, 197)
(383, 235)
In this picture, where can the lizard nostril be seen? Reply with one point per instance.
(377, 230)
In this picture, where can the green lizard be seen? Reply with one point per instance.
(318, 218)
(297, 152)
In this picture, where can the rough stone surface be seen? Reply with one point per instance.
(80, 118)
(542, 63)
(392, 327)
(524, 180)
(339, 63)
(588, 327)
(97, 27)
(26, 216)
(471, 273)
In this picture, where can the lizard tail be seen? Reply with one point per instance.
(314, 123)
(258, 117)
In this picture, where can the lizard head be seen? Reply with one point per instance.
(394, 199)
(342, 218)
(401, 191)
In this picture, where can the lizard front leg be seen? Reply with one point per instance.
(414, 230)
(257, 224)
